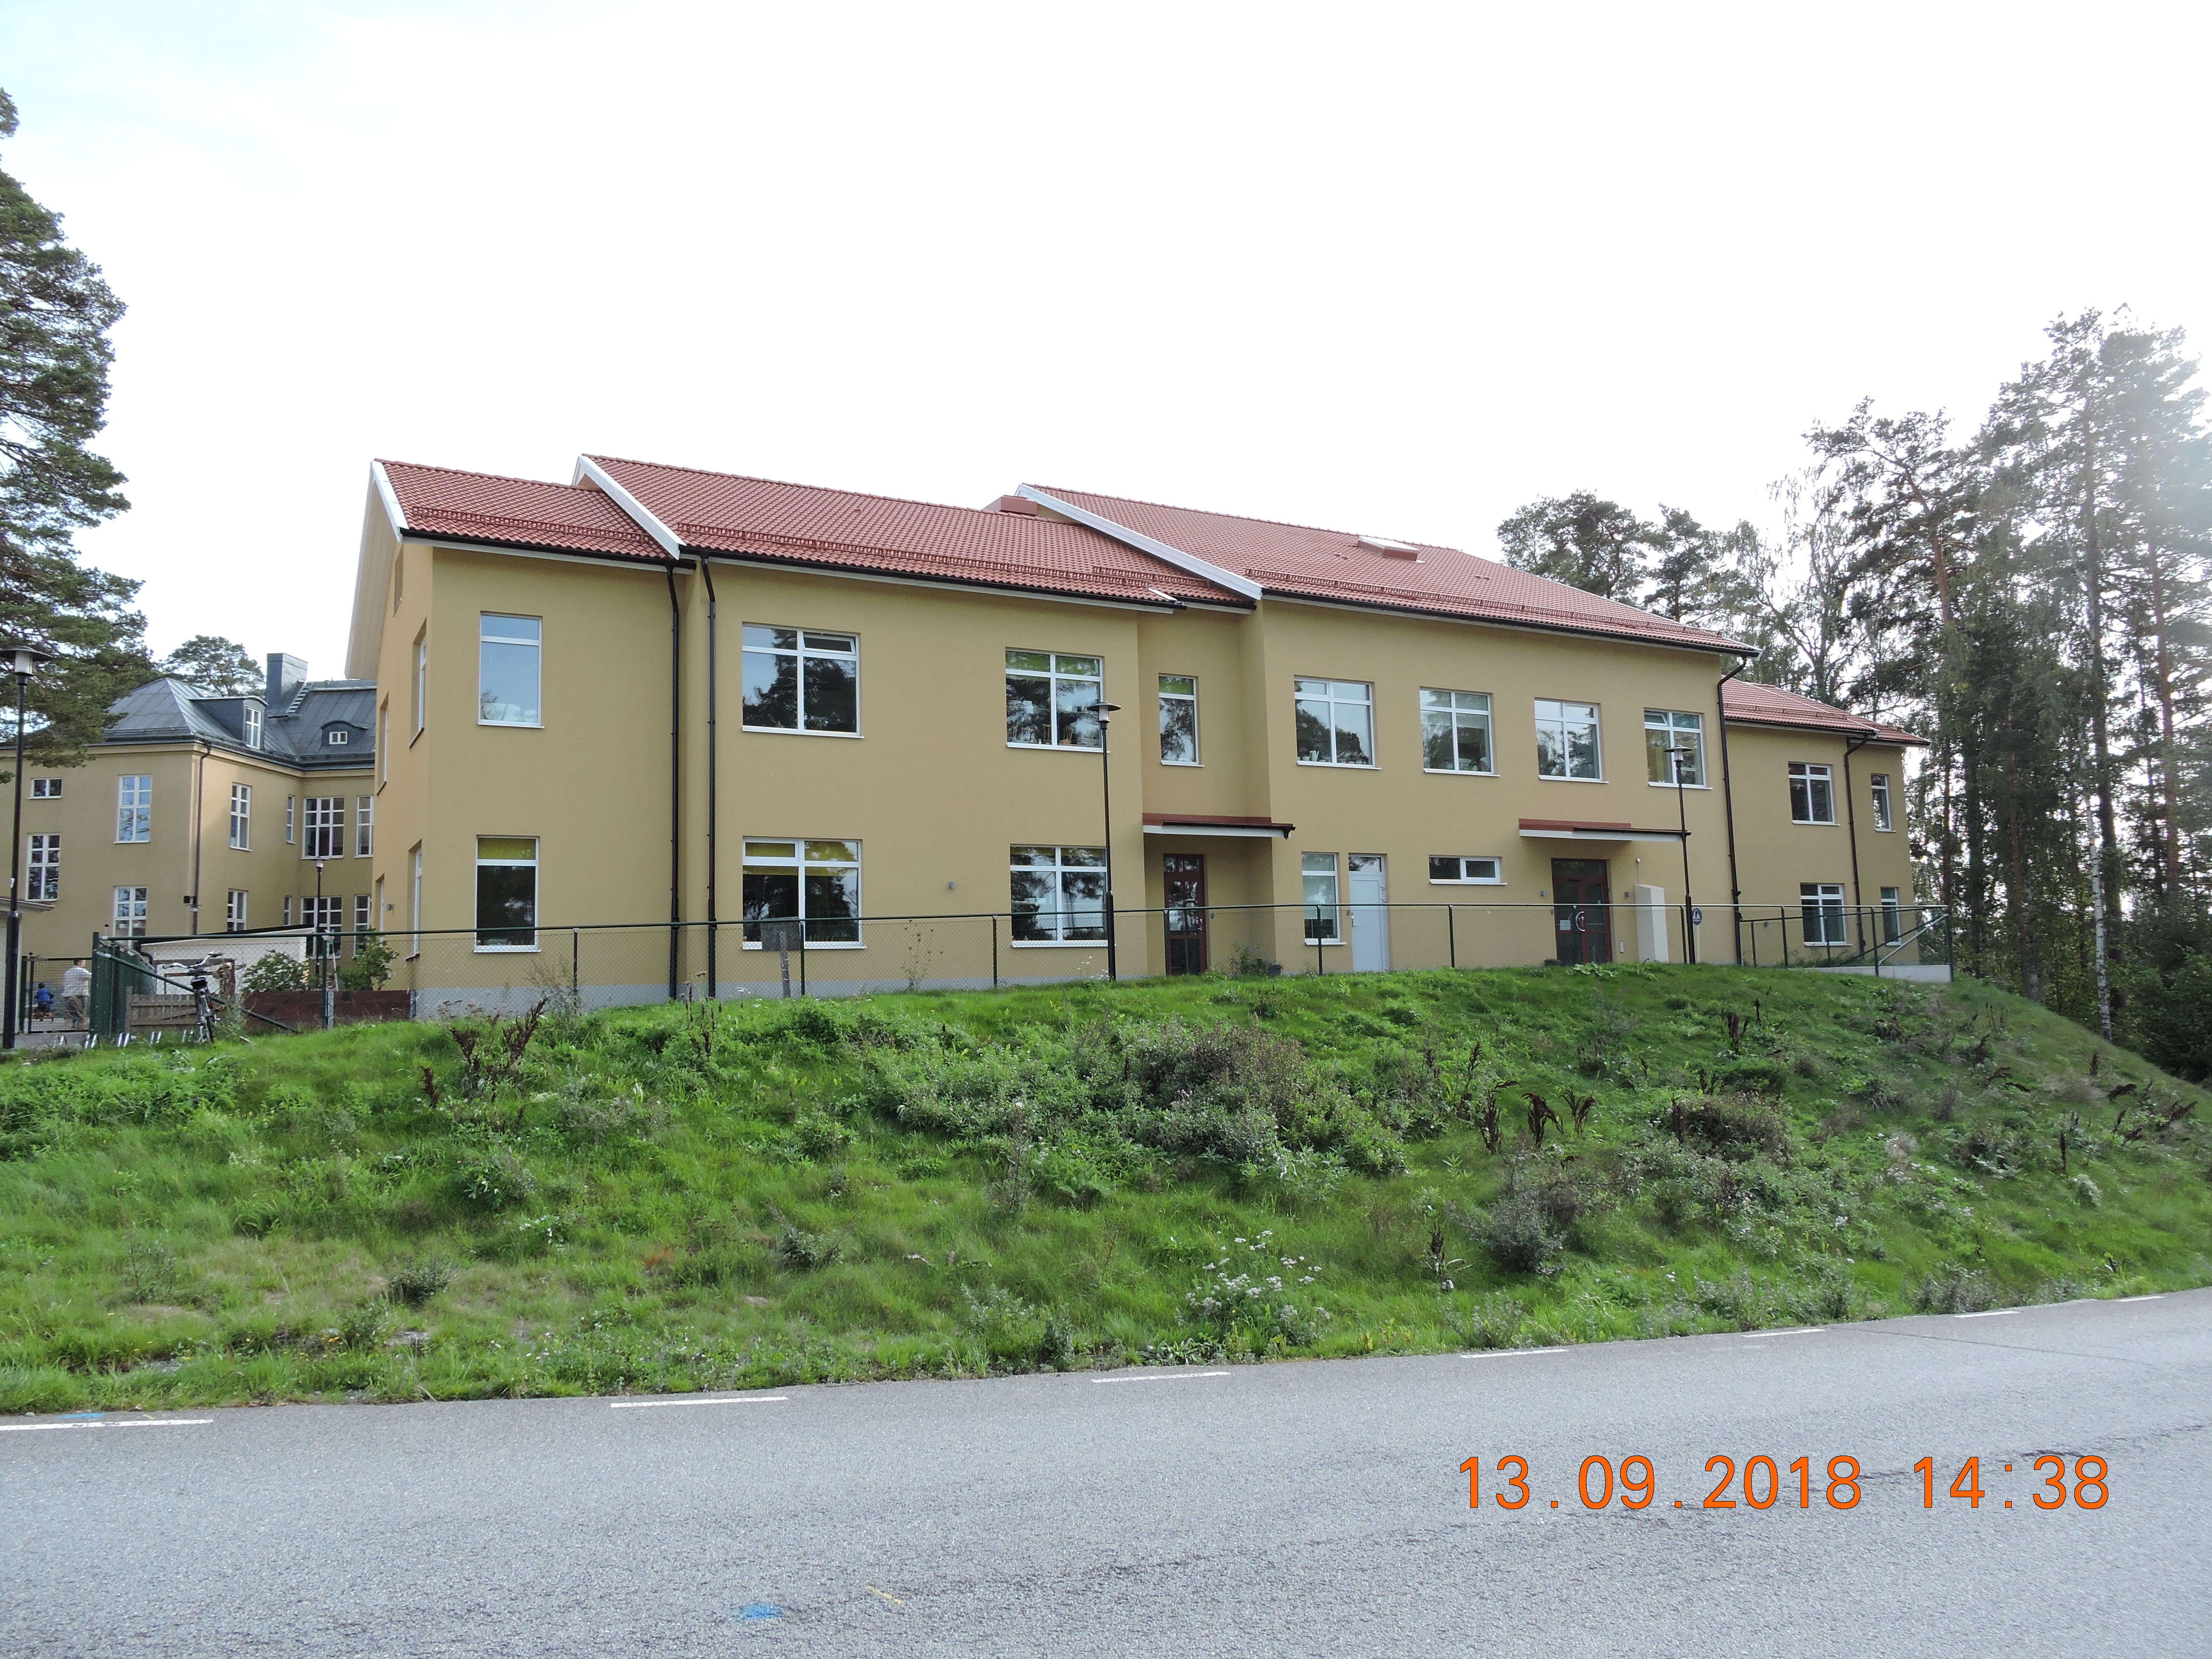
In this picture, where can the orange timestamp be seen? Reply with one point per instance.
(1763, 1483)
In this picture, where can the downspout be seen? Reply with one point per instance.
(707, 570)
(200, 830)
(1728, 804)
(1851, 818)
(675, 784)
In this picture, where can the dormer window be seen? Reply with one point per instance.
(253, 725)
(337, 735)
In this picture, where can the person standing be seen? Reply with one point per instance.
(76, 991)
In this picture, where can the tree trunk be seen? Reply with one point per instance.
(2168, 755)
(2108, 832)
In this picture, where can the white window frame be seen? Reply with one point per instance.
(1178, 697)
(286, 908)
(1303, 691)
(337, 737)
(535, 643)
(128, 920)
(1063, 916)
(234, 911)
(1462, 709)
(1808, 773)
(1559, 720)
(324, 827)
(363, 917)
(1893, 915)
(415, 900)
(1054, 677)
(422, 680)
(1314, 868)
(291, 820)
(44, 866)
(322, 915)
(242, 816)
(384, 742)
(1884, 818)
(758, 855)
(250, 720)
(1825, 900)
(1674, 724)
(799, 652)
(477, 929)
(134, 808)
(46, 788)
(1466, 877)
(364, 826)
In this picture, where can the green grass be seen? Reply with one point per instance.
(949, 1184)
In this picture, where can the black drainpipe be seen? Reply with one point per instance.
(675, 785)
(1851, 818)
(1728, 803)
(707, 569)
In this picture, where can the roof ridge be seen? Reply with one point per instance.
(1246, 518)
(472, 472)
(823, 490)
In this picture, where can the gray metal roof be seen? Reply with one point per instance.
(169, 710)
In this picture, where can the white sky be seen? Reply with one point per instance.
(1383, 268)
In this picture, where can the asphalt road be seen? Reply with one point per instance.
(1290, 1509)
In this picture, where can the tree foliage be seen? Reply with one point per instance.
(214, 665)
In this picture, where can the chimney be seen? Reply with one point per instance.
(285, 676)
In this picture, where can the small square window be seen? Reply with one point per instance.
(46, 788)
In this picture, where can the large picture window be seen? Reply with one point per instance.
(1336, 723)
(1666, 729)
(1822, 903)
(1567, 740)
(814, 883)
(242, 816)
(1048, 699)
(508, 670)
(800, 679)
(46, 867)
(1811, 793)
(134, 808)
(1455, 731)
(1060, 894)
(1178, 720)
(1318, 872)
(507, 892)
(326, 828)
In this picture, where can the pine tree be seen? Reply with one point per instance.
(215, 664)
(1599, 546)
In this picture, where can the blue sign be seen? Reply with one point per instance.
(1697, 916)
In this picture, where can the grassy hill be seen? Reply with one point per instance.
(944, 1184)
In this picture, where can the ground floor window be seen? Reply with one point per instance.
(1059, 894)
(507, 892)
(1892, 915)
(46, 867)
(362, 919)
(1822, 902)
(815, 884)
(1318, 871)
(234, 911)
(130, 921)
(1483, 873)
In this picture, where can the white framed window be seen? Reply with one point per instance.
(1318, 871)
(507, 892)
(363, 920)
(1467, 871)
(134, 807)
(324, 915)
(815, 884)
(384, 741)
(234, 911)
(1336, 722)
(1178, 720)
(415, 900)
(801, 679)
(253, 724)
(1666, 729)
(285, 910)
(46, 788)
(508, 670)
(46, 872)
(1811, 793)
(1892, 915)
(364, 825)
(1822, 902)
(1059, 895)
(326, 838)
(337, 736)
(1567, 741)
(422, 679)
(1456, 731)
(378, 908)
(242, 816)
(1050, 695)
(130, 917)
(291, 820)
(1883, 819)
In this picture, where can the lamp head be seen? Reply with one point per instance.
(24, 660)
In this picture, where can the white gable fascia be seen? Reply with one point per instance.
(670, 544)
(1144, 544)
(391, 508)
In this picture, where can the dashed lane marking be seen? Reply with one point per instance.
(1509, 1353)
(111, 1422)
(1162, 1377)
(1988, 1313)
(2160, 1296)
(1801, 1330)
(730, 1400)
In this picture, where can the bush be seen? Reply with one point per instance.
(1253, 1290)
(275, 972)
(1754, 1076)
(817, 1135)
(370, 966)
(492, 1179)
(1521, 1236)
(412, 1283)
(802, 1251)
(1953, 1289)
(1736, 1127)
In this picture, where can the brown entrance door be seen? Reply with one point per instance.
(1183, 876)
(1579, 910)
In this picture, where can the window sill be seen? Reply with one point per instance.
(1457, 772)
(1341, 766)
(1324, 944)
(1542, 777)
(794, 732)
(508, 950)
(1194, 765)
(1469, 883)
(523, 725)
(1815, 824)
(809, 947)
(1654, 783)
(1057, 944)
(1059, 748)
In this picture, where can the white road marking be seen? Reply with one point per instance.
(116, 1423)
(1801, 1330)
(1164, 1377)
(1987, 1313)
(2160, 1296)
(728, 1399)
(1509, 1353)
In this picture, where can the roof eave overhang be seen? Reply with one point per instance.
(589, 470)
(534, 549)
(1901, 740)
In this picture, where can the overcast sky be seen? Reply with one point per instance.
(1382, 268)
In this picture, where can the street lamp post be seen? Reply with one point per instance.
(1682, 818)
(22, 661)
(325, 944)
(1104, 710)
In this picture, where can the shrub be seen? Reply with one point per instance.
(802, 1251)
(492, 1179)
(1754, 1077)
(274, 971)
(149, 1269)
(370, 966)
(817, 1135)
(1521, 1236)
(1494, 1323)
(1953, 1289)
(1736, 1127)
(412, 1283)
(1253, 1288)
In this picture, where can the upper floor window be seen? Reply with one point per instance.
(291, 818)
(506, 671)
(134, 808)
(1059, 894)
(815, 884)
(364, 821)
(1336, 723)
(422, 678)
(252, 719)
(1455, 731)
(1666, 730)
(1811, 793)
(1567, 740)
(46, 867)
(507, 892)
(1049, 700)
(326, 827)
(337, 736)
(241, 816)
(130, 913)
(46, 788)
(1178, 720)
(1882, 818)
(800, 679)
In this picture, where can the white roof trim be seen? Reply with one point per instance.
(1252, 831)
(1602, 834)
(670, 544)
(392, 507)
(1144, 544)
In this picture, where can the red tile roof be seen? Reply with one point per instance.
(1336, 565)
(722, 513)
(1748, 704)
(479, 507)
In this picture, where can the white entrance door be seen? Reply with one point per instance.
(1371, 922)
